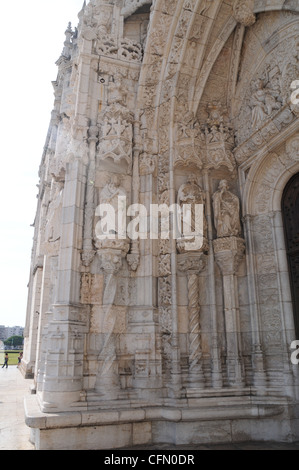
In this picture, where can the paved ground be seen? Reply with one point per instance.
(14, 434)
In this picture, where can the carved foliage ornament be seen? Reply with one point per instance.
(122, 49)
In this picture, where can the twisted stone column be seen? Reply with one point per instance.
(192, 264)
(195, 353)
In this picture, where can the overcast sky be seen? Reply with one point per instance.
(31, 40)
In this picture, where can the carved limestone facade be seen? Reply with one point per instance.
(143, 340)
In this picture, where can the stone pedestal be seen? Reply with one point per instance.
(207, 421)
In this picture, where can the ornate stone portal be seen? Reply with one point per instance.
(143, 338)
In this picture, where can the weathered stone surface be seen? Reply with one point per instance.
(170, 103)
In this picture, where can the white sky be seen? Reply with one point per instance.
(31, 40)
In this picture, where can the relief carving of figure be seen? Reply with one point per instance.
(111, 230)
(111, 194)
(263, 103)
(103, 17)
(226, 212)
(191, 193)
(53, 225)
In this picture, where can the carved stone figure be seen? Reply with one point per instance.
(107, 380)
(114, 195)
(190, 193)
(263, 104)
(52, 228)
(219, 138)
(97, 19)
(226, 212)
(112, 191)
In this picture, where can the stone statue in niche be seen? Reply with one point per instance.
(53, 225)
(111, 194)
(103, 16)
(190, 193)
(117, 93)
(263, 103)
(114, 195)
(112, 191)
(226, 212)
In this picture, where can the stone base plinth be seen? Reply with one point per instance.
(206, 420)
(212, 392)
(27, 369)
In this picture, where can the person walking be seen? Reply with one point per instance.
(5, 361)
(20, 359)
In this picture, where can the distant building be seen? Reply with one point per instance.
(2, 332)
(8, 331)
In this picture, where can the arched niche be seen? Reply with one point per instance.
(271, 300)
